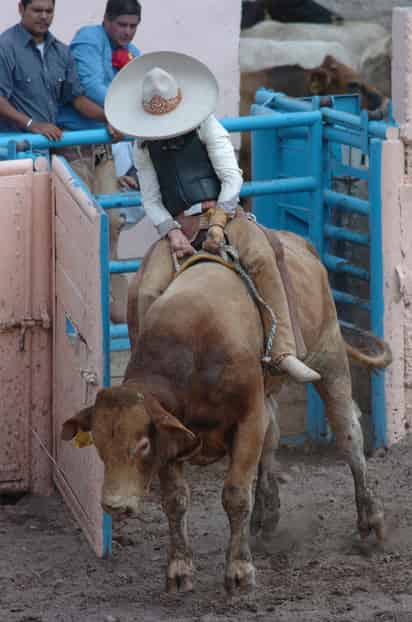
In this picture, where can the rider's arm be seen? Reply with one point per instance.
(223, 158)
(88, 51)
(150, 190)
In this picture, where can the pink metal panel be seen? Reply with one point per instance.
(25, 367)
(15, 304)
(78, 299)
(41, 351)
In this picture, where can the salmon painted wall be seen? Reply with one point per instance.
(208, 29)
(397, 232)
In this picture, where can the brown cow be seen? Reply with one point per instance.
(253, 12)
(330, 78)
(194, 391)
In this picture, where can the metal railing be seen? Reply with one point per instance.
(276, 118)
(340, 129)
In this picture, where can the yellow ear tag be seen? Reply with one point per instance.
(83, 439)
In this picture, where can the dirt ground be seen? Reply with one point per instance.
(315, 569)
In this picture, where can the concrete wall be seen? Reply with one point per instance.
(397, 233)
(25, 357)
(208, 30)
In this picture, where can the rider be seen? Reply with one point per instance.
(188, 173)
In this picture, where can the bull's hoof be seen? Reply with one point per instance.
(179, 576)
(240, 576)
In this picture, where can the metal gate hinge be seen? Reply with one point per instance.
(90, 377)
(24, 324)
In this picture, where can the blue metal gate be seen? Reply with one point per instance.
(297, 153)
(301, 152)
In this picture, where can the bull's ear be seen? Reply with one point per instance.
(174, 441)
(318, 81)
(82, 422)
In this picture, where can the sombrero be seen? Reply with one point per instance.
(161, 95)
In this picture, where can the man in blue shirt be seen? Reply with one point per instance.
(100, 52)
(37, 74)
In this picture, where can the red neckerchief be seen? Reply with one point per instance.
(121, 57)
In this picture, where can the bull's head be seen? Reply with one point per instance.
(335, 78)
(134, 436)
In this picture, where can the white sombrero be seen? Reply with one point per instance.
(161, 95)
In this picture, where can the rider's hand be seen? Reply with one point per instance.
(206, 205)
(115, 134)
(50, 131)
(127, 183)
(215, 239)
(179, 243)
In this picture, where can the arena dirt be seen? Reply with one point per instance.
(315, 569)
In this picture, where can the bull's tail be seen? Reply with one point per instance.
(365, 348)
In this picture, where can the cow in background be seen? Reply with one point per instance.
(330, 78)
(254, 11)
(355, 37)
(376, 65)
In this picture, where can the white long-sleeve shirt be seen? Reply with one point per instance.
(223, 159)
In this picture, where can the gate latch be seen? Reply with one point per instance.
(24, 324)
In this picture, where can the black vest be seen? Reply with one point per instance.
(185, 173)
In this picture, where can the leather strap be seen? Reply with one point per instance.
(200, 257)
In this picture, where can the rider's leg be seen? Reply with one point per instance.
(259, 260)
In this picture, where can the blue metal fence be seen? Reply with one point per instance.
(312, 214)
(296, 154)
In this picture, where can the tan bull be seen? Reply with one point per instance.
(194, 391)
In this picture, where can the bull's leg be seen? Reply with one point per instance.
(265, 515)
(175, 500)
(336, 391)
(237, 499)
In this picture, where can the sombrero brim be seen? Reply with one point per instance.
(124, 106)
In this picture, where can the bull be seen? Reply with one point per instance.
(194, 391)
